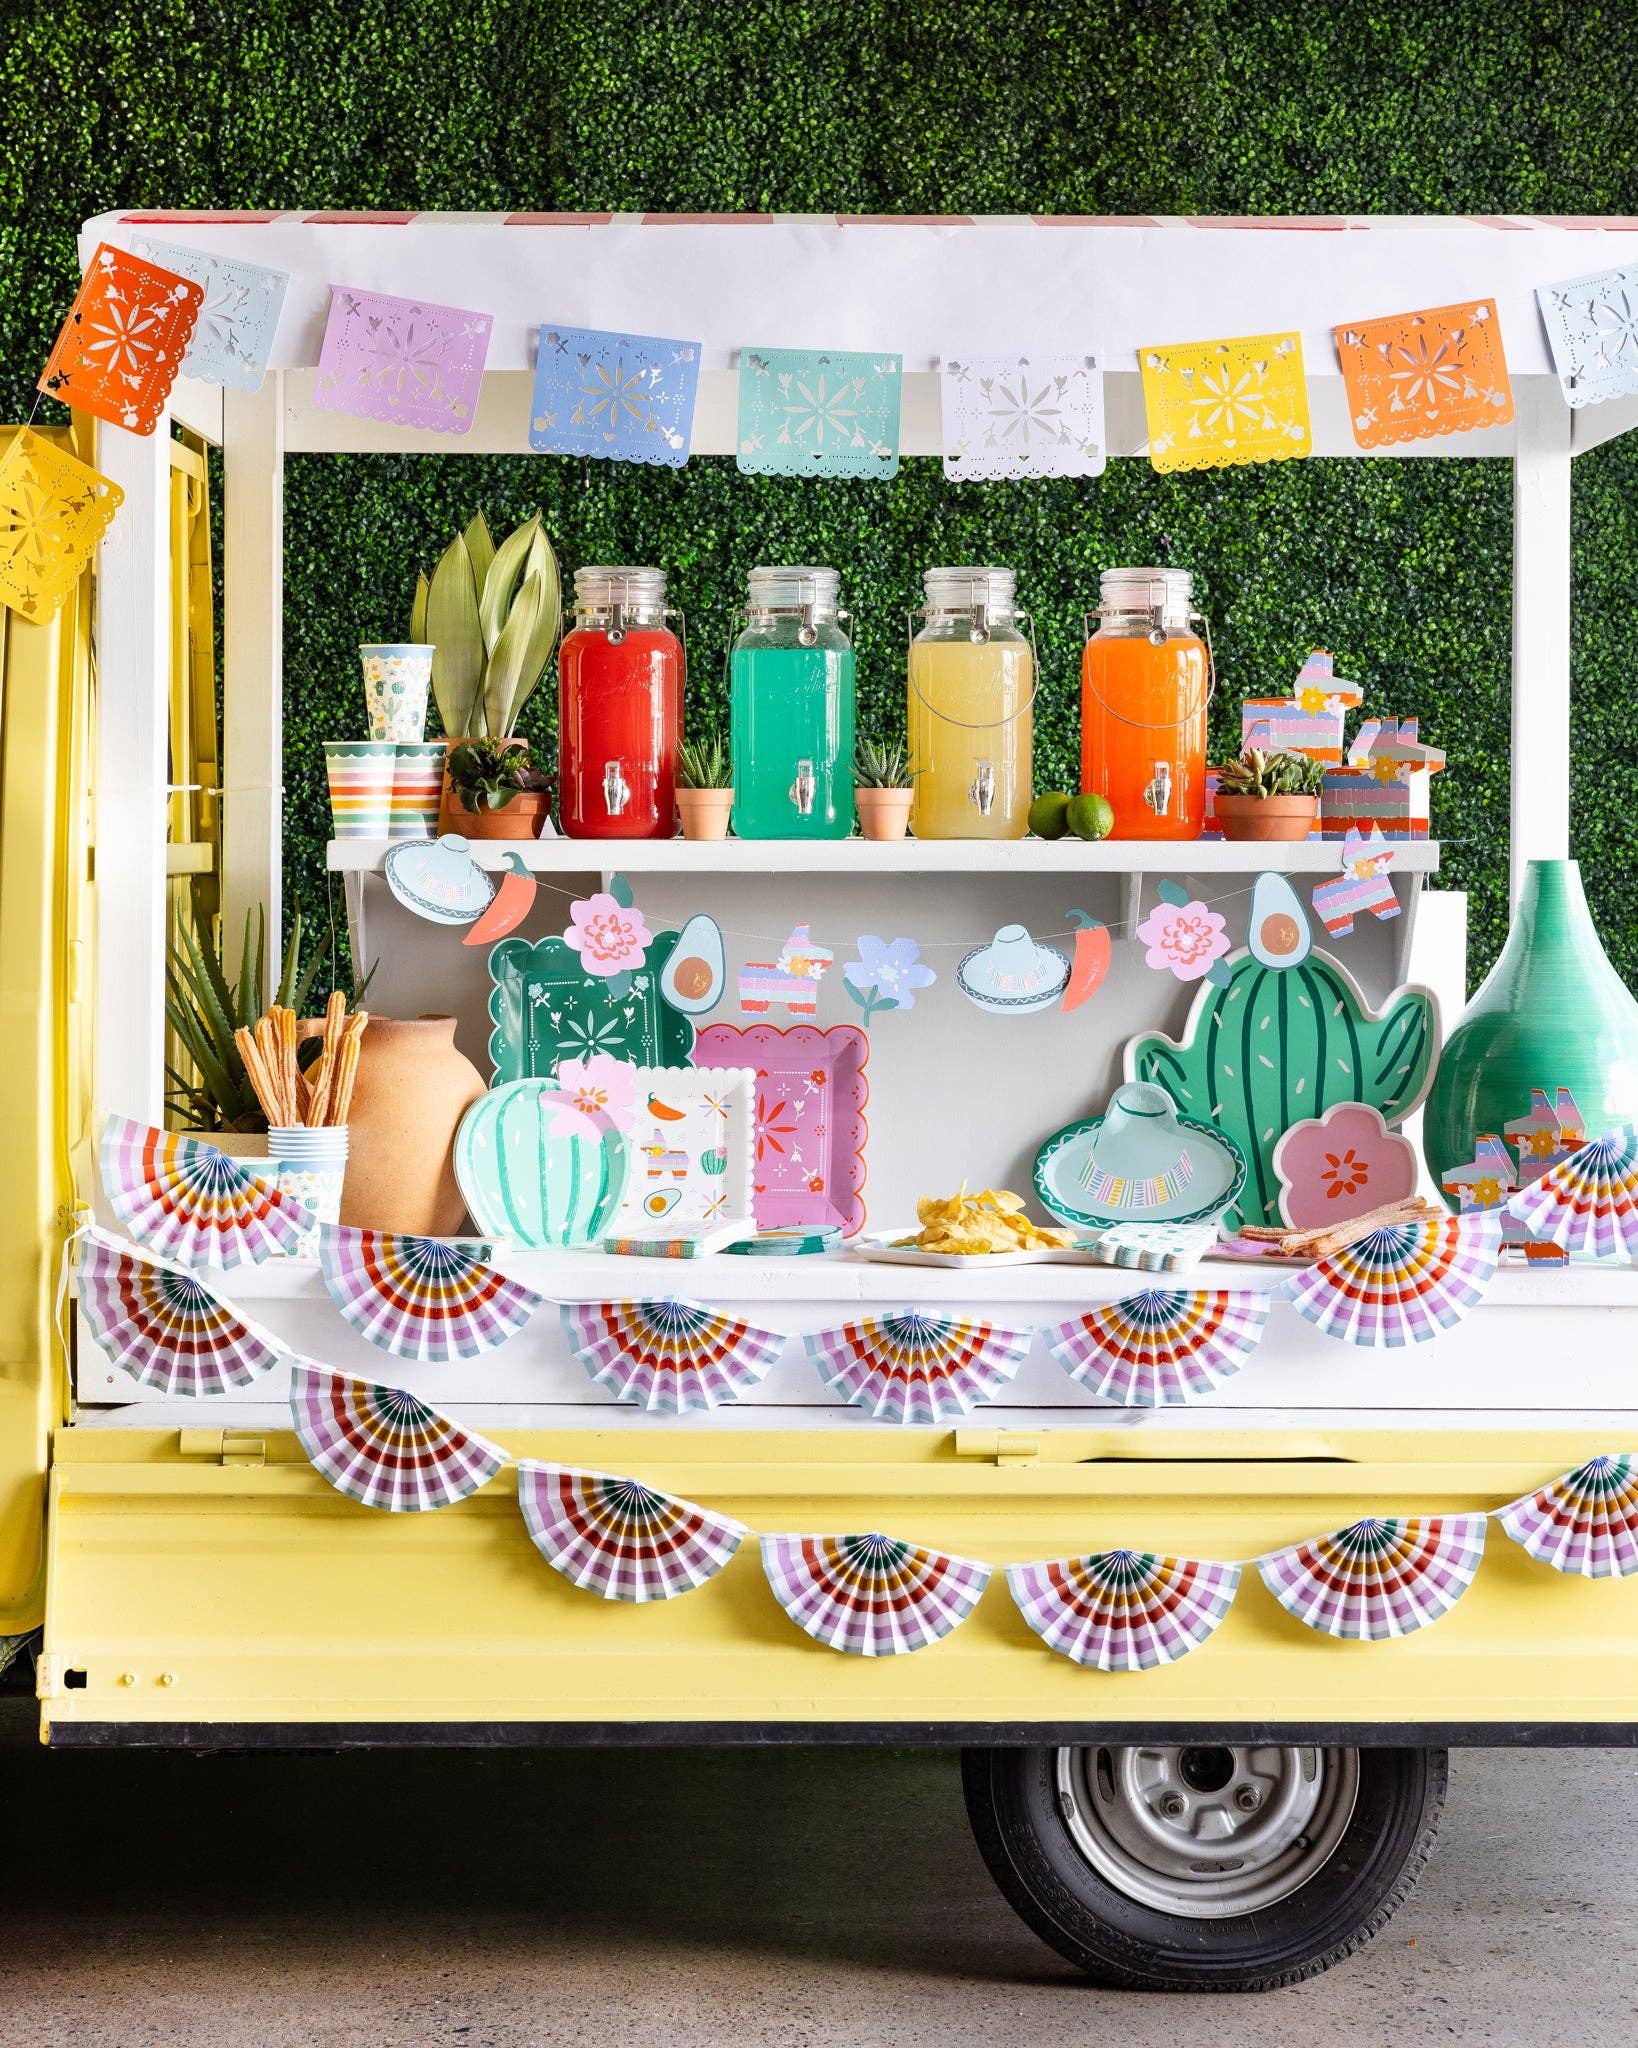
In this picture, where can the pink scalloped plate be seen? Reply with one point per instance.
(810, 1123)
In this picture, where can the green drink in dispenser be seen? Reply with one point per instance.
(790, 708)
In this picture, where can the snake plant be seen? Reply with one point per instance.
(491, 616)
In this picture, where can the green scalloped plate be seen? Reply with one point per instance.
(545, 1007)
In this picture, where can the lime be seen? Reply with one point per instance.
(1090, 816)
(1049, 815)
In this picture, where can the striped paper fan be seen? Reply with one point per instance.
(1379, 1577)
(1163, 1346)
(421, 1297)
(381, 1446)
(917, 1368)
(869, 1595)
(1402, 1284)
(163, 1325)
(669, 1357)
(619, 1538)
(1589, 1202)
(1585, 1523)
(1123, 1610)
(190, 1202)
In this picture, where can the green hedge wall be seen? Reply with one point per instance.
(1401, 567)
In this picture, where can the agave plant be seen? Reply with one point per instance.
(491, 616)
(1261, 774)
(204, 1009)
(704, 764)
(878, 767)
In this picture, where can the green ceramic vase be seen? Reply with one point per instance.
(1552, 1013)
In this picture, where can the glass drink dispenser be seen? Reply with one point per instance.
(791, 695)
(1146, 680)
(972, 692)
(620, 689)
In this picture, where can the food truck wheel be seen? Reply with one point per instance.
(1200, 1867)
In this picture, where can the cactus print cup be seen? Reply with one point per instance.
(396, 678)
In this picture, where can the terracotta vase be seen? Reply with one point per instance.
(705, 812)
(1267, 817)
(884, 813)
(413, 1089)
(522, 818)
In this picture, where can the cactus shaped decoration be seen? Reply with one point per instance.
(1273, 1048)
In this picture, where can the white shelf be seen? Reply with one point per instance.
(862, 858)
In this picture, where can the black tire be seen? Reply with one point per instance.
(1016, 1802)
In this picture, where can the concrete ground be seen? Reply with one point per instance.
(709, 1899)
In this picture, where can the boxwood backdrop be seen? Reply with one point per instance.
(1229, 106)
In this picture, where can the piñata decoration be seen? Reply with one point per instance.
(1123, 1610)
(1585, 1524)
(869, 1595)
(421, 1297)
(1401, 1284)
(1379, 1577)
(384, 1448)
(1160, 1347)
(670, 1357)
(1590, 1202)
(190, 1202)
(619, 1538)
(164, 1327)
(911, 1367)
(122, 344)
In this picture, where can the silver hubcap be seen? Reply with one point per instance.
(1207, 1831)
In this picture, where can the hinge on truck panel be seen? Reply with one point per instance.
(1004, 1446)
(226, 1446)
(48, 1676)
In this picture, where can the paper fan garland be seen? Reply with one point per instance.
(382, 1447)
(619, 1538)
(190, 1202)
(165, 1327)
(1401, 1284)
(1588, 1202)
(421, 1297)
(870, 1595)
(670, 1357)
(1379, 1577)
(1163, 1346)
(917, 1368)
(1123, 1610)
(1585, 1524)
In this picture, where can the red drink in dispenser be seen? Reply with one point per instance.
(619, 708)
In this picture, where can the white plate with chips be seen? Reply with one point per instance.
(888, 1248)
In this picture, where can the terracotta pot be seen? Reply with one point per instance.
(413, 1089)
(522, 818)
(705, 812)
(884, 813)
(1267, 817)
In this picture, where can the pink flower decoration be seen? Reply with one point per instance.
(1342, 1165)
(596, 1092)
(1184, 937)
(610, 938)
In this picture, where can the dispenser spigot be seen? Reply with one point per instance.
(1158, 795)
(981, 790)
(804, 789)
(616, 789)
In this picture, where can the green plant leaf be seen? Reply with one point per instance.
(457, 641)
(510, 680)
(203, 973)
(501, 583)
(418, 610)
(480, 545)
(291, 963)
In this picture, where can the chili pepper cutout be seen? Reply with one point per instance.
(1092, 956)
(512, 903)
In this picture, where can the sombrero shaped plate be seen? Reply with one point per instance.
(1192, 1170)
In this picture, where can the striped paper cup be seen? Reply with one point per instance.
(361, 776)
(309, 1163)
(417, 785)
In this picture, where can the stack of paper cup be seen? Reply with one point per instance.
(309, 1163)
(362, 777)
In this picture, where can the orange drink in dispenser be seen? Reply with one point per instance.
(1146, 680)
(972, 693)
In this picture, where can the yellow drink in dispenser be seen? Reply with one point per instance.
(971, 700)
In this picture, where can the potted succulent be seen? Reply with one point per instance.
(705, 789)
(1269, 796)
(493, 790)
(881, 790)
(491, 615)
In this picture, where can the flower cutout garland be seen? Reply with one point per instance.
(886, 976)
(610, 937)
(1184, 938)
(598, 1091)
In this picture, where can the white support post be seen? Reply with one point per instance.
(132, 771)
(1541, 627)
(253, 660)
